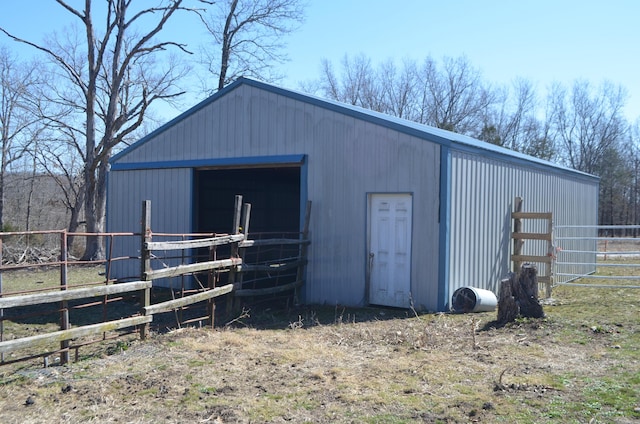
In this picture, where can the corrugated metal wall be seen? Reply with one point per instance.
(350, 154)
(170, 193)
(483, 190)
(347, 159)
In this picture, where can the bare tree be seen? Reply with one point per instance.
(248, 37)
(59, 159)
(514, 121)
(511, 114)
(18, 122)
(398, 88)
(615, 169)
(587, 123)
(634, 159)
(454, 97)
(109, 88)
(355, 85)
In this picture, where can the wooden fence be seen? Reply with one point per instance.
(236, 285)
(548, 255)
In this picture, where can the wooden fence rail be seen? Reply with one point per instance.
(170, 305)
(192, 268)
(63, 335)
(74, 294)
(519, 237)
(234, 265)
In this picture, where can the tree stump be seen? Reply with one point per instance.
(519, 296)
(507, 307)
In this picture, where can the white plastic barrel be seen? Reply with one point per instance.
(472, 299)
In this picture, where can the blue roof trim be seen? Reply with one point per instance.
(425, 132)
(201, 163)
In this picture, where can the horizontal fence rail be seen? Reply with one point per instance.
(570, 270)
(277, 269)
(546, 259)
(81, 293)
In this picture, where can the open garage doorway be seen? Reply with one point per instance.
(274, 194)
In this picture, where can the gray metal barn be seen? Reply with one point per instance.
(402, 212)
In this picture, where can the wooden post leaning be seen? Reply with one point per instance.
(234, 250)
(145, 263)
(246, 217)
(517, 228)
(64, 305)
(212, 280)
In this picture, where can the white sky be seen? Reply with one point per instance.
(540, 40)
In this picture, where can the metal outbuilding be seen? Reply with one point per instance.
(403, 213)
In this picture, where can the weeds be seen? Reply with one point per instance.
(387, 366)
(244, 314)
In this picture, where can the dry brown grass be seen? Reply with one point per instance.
(581, 364)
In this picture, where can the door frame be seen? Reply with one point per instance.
(368, 225)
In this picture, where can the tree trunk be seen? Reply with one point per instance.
(227, 36)
(74, 221)
(2, 179)
(3, 175)
(519, 296)
(95, 208)
(90, 212)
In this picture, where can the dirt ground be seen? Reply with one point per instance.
(322, 365)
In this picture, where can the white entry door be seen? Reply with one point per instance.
(390, 249)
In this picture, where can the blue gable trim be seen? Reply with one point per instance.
(201, 163)
(177, 119)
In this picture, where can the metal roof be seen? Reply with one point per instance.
(426, 132)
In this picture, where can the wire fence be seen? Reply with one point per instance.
(597, 256)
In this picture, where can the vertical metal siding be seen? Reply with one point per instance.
(347, 158)
(483, 190)
(170, 193)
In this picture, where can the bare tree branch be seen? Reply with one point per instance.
(104, 94)
(248, 37)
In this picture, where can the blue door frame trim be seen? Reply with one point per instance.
(445, 214)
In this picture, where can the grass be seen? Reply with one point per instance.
(47, 278)
(579, 364)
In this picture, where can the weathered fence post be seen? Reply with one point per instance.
(518, 236)
(552, 259)
(64, 305)
(246, 217)
(517, 228)
(145, 263)
(212, 277)
(237, 212)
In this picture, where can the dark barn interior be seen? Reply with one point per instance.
(274, 195)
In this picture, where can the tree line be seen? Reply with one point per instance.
(581, 126)
(91, 88)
